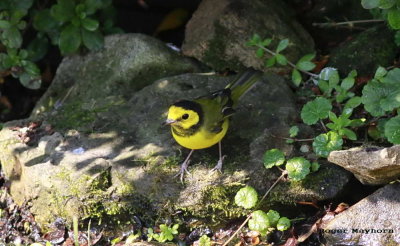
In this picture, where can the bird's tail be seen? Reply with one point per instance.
(244, 83)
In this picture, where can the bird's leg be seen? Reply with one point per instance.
(184, 166)
(218, 167)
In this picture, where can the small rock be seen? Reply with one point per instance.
(372, 221)
(372, 166)
(218, 32)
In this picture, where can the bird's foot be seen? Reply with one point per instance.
(183, 170)
(218, 167)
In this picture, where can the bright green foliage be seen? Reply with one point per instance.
(246, 197)
(204, 241)
(273, 217)
(293, 131)
(329, 81)
(273, 157)
(283, 224)
(298, 168)
(340, 124)
(388, 9)
(315, 110)
(167, 233)
(325, 143)
(382, 94)
(305, 63)
(392, 130)
(314, 166)
(259, 222)
(68, 24)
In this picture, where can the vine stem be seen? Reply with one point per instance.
(289, 62)
(329, 24)
(249, 216)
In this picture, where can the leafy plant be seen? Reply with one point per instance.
(275, 56)
(273, 157)
(167, 233)
(246, 197)
(325, 143)
(204, 241)
(298, 168)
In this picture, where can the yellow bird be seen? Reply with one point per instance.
(203, 122)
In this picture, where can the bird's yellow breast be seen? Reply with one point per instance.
(202, 139)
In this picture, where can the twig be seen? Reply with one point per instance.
(76, 231)
(289, 62)
(295, 139)
(349, 23)
(259, 202)
(323, 125)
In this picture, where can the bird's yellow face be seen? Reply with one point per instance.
(182, 118)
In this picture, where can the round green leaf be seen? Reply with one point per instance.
(92, 40)
(246, 197)
(259, 222)
(38, 48)
(325, 143)
(298, 168)
(273, 157)
(63, 11)
(273, 217)
(314, 166)
(90, 24)
(386, 4)
(260, 52)
(70, 39)
(204, 241)
(283, 224)
(44, 21)
(4, 24)
(270, 61)
(369, 4)
(394, 18)
(380, 71)
(353, 102)
(392, 130)
(13, 36)
(30, 81)
(315, 110)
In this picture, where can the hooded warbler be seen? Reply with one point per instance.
(203, 122)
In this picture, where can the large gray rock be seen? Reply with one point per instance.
(372, 166)
(103, 152)
(218, 31)
(373, 221)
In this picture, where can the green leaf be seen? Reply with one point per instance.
(44, 21)
(324, 87)
(80, 11)
(296, 77)
(31, 68)
(393, 17)
(266, 42)
(347, 83)
(260, 52)
(246, 197)
(281, 59)
(90, 24)
(270, 62)
(259, 222)
(305, 66)
(70, 39)
(30, 81)
(37, 49)
(273, 157)
(4, 24)
(273, 217)
(13, 36)
(349, 134)
(397, 38)
(370, 4)
(256, 39)
(386, 4)
(325, 143)
(392, 130)
(376, 95)
(63, 11)
(283, 224)
(283, 44)
(204, 241)
(315, 166)
(334, 79)
(315, 110)
(293, 131)
(22, 4)
(380, 72)
(327, 72)
(92, 40)
(353, 102)
(307, 57)
(93, 5)
(297, 168)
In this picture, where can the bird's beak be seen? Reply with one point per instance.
(169, 122)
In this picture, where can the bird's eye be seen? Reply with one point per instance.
(185, 116)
